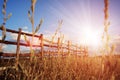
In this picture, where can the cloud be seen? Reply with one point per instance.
(25, 28)
(0, 37)
(14, 35)
(22, 38)
(4, 46)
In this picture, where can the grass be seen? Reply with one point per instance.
(70, 68)
(60, 68)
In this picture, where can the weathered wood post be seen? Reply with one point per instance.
(42, 46)
(68, 47)
(18, 47)
(58, 44)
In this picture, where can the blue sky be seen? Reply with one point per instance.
(76, 15)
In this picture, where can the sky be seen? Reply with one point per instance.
(77, 16)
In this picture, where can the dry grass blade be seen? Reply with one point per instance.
(106, 36)
(4, 19)
(33, 5)
(3, 33)
(33, 2)
(9, 15)
(3, 11)
(4, 5)
(57, 30)
(27, 41)
(38, 27)
(29, 16)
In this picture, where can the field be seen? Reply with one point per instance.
(64, 68)
(80, 47)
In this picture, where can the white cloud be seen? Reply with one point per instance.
(4, 46)
(0, 37)
(35, 40)
(13, 36)
(25, 28)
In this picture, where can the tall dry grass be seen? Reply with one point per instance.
(34, 31)
(63, 68)
(69, 68)
(5, 18)
(107, 48)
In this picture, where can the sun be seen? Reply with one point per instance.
(91, 37)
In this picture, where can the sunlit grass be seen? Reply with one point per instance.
(68, 67)
(71, 68)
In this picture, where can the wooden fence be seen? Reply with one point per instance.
(68, 47)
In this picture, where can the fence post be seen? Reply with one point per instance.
(42, 46)
(18, 47)
(68, 47)
(58, 46)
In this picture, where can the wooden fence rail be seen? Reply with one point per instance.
(43, 43)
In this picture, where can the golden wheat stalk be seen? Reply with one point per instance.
(5, 18)
(106, 37)
(31, 18)
(38, 27)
